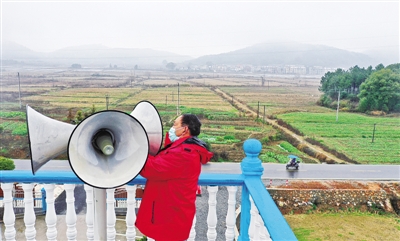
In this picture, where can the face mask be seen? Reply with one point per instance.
(172, 134)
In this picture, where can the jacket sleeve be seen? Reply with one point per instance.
(167, 166)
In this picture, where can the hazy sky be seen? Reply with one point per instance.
(200, 27)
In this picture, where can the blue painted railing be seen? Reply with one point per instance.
(250, 180)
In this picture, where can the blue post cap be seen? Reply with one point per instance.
(251, 164)
(252, 147)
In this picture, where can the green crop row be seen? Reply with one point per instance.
(12, 114)
(273, 157)
(16, 128)
(228, 139)
(289, 148)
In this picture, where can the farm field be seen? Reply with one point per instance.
(60, 94)
(278, 99)
(58, 99)
(352, 134)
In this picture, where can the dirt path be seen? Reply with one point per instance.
(249, 112)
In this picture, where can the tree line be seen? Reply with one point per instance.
(362, 89)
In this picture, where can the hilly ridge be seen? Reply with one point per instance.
(278, 54)
(289, 54)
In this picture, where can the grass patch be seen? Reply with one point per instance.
(352, 134)
(344, 226)
(303, 233)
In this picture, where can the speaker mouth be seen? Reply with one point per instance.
(130, 148)
(103, 134)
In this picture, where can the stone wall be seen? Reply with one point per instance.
(303, 200)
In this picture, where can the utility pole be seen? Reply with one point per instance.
(258, 108)
(19, 91)
(131, 78)
(106, 102)
(373, 134)
(337, 109)
(177, 107)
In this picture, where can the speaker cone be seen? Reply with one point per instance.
(108, 149)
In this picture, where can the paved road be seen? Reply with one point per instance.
(275, 171)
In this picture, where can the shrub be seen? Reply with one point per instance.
(6, 163)
(324, 100)
(277, 137)
(265, 140)
(397, 107)
(220, 156)
(229, 137)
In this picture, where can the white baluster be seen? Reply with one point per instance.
(264, 234)
(192, 234)
(51, 217)
(130, 218)
(9, 215)
(253, 216)
(212, 213)
(70, 218)
(89, 212)
(231, 215)
(257, 229)
(29, 213)
(111, 218)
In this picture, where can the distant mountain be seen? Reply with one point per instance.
(92, 55)
(14, 51)
(260, 54)
(289, 54)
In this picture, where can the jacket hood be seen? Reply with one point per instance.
(201, 148)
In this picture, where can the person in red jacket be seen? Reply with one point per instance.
(169, 201)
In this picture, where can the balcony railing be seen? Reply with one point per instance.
(260, 219)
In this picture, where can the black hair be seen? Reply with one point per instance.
(192, 122)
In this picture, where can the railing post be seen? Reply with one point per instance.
(29, 213)
(70, 217)
(231, 215)
(131, 212)
(89, 212)
(212, 213)
(51, 216)
(251, 167)
(111, 218)
(9, 215)
(273, 219)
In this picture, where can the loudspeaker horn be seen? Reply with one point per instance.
(147, 114)
(108, 149)
(48, 138)
(107, 142)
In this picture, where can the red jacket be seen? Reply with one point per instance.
(168, 204)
